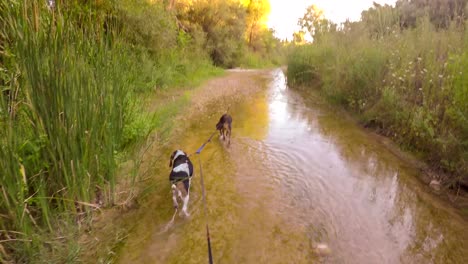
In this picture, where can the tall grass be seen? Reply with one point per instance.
(61, 132)
(410, 84)
(71, 83)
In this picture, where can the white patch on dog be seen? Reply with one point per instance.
(174, 196)
(184, 207)
(186, 200)
(178, 153)
(182, 167)
(176, 188)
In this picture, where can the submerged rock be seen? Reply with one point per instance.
(435, 184)
(322, 250)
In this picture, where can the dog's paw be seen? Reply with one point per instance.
(184, 213)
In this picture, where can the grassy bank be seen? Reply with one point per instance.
(408, 83)
(72, 83)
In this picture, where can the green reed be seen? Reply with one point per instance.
(62, 115)
(71, 80)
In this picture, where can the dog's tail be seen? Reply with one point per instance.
(227, 110)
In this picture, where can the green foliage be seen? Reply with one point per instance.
(233, 32)
(299, 37)
(315, 23)
(409, 83)
(268, 52)
(301, 69)
(71, 77)
(222, 22)
(148, 26)
(257, 11)
(380, 20)
(60, 136)
(441, 13)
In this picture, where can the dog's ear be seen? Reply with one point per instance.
(172, 158)
(219, 125)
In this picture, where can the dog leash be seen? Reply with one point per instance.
(202, 146)
(202, 183)
(210, 255)
(199, 150)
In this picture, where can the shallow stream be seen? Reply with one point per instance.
(297, 178)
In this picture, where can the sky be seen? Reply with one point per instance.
(285, 13)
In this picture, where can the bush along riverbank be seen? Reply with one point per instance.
(404, 76)
(73, 75)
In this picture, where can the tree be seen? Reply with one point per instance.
(380, 20)
(315, 23)
(299, 37)
(257, 12)
(440, 12)
(222, 22)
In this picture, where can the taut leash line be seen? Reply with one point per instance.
(202, 183)
(199, 150)
(210, 255)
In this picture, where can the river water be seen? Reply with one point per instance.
(299, 184)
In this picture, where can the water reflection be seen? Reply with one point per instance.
(251, 118)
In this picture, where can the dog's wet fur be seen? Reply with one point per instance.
(224, 127)
(180, 178)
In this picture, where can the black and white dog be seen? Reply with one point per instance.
(180, 178)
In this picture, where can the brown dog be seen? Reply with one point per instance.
(224, 127)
